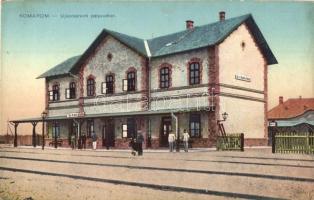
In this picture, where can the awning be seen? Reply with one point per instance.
(119, 114)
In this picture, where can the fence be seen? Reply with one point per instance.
(231, 142)
(293, 143)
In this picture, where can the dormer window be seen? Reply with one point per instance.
(90, 86)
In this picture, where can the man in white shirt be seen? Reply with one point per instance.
(186, 138)
(171, 139)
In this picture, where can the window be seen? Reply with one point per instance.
(194, 73)
(109, 84)
(164, 77)
(55, 129)
(54, 96)
(129, 129)
(72, 90)
(195, 125)
(90, 127)
(131, 81)
(124, 130)
(90, 87)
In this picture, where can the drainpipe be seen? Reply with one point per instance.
(148, 60)
(177, 132)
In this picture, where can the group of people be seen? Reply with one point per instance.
(185, 139)
(136, 143)
(81, 142)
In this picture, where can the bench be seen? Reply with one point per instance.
(181, 144)
(59, 142)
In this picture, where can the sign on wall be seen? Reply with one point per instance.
(242, 78)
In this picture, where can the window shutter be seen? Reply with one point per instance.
(103, 87)
(67, 93)
(50, 95)
(125, 84)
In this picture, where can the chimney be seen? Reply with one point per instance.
(300, 97)
(222, 16)
(189, 24)
(281, 100)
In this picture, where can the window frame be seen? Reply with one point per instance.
(72, 88)
(55, 92)
(195, 118)
(109, 84)
(192, 73)
(55, 129)
(163, 82)
(90, 127)
(90, 87)
(131, 82)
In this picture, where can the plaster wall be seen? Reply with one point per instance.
(122, 59)
(244, 116)
(237, 60)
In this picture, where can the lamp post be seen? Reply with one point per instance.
(224, 117)
(43, 116)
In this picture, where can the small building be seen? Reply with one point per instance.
(292, 115)
(122, 85)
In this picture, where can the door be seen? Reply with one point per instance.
(165, 130)
(108, 134)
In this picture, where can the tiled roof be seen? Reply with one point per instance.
(198, 37)
(133, 42)
(291, 108)
(62, 68)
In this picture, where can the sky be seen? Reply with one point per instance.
(36, 36)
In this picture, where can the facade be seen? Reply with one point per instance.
(292, 115)
(122, 85)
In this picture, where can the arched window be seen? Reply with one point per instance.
(90, 87)
(72, 90)
(194, 73)
(164, 74)
(55, 92)
(131, 80)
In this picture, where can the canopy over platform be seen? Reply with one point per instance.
(119, 114)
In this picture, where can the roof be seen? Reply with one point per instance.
(291, 108)
(117, 114)
(198, 37)
(62, 68)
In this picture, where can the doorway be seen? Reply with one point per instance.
(165, 129)
(108, 134)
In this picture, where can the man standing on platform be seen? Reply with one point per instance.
(139, 141)
(94, 139)
(171, 139)
(186, 138)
